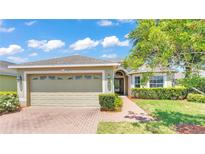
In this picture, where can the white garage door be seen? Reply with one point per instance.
(66, 90)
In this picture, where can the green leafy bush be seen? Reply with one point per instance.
(9, 102)
(110, 102)
(171, 93)
(196, 98)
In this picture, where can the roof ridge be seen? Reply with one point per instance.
(4, 61)
(73, 59)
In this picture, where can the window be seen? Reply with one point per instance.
(156, 81)
(51, 77)
(88, 77)
(43, 77)
(59, 78)
(137, 82)
(97, 77)
(119, 74)
(70, 78)
(35, 78)
(78, 77)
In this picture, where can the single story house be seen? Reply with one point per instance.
(7, 77)
(77, 80)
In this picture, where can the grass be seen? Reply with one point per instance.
(173, 112)
(168, 114)
(133, 128)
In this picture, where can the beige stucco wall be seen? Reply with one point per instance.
(168, 80)
(8, 83)
(22, 87)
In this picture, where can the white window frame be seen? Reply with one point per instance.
(135, 81)
(157, 83)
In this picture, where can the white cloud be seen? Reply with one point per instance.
(105, 23)
(4, 29)
(33, 54)
(11, 50)
(86, 43)
(17, 59)
(30, 23)
(126, 20)
(113, 41)
(110, 56)
(46, 45)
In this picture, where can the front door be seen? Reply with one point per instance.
(119, 86)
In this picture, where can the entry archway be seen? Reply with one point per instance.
(121, 82)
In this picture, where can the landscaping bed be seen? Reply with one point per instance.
(190, 129)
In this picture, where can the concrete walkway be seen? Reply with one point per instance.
(130, 112)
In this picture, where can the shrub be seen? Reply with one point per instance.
(171, 93)
(9, 102)
(8, 93)
(118, 102)
(110, 102)
(196, 98)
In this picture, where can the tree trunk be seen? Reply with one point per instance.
(187, 72)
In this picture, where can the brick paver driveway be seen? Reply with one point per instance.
(51, 120)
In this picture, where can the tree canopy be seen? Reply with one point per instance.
(169, 43)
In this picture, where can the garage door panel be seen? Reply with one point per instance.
(67, 86)
(63, 96)
(64, 92)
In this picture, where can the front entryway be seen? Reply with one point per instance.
(119, 86)
(121, 82)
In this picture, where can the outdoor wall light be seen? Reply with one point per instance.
(19, 79)
(109, 81)
(108, 76)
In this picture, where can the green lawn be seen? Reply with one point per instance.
(168, 114)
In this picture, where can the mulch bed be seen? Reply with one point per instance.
(190, 129)
(7, 112)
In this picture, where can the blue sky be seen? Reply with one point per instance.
(30, 40)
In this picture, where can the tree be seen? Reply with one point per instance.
(194, 83)
(170, 43)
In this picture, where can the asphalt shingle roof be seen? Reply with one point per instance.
(145, 68)
(70, 60)
(4, 70)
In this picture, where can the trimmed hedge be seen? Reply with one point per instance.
(9, 102)
(171, 93)
(8, 93)
(110, 102)
(196, 98)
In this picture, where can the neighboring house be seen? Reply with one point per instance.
(7, 77)
(77, 80)
(181, 75)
